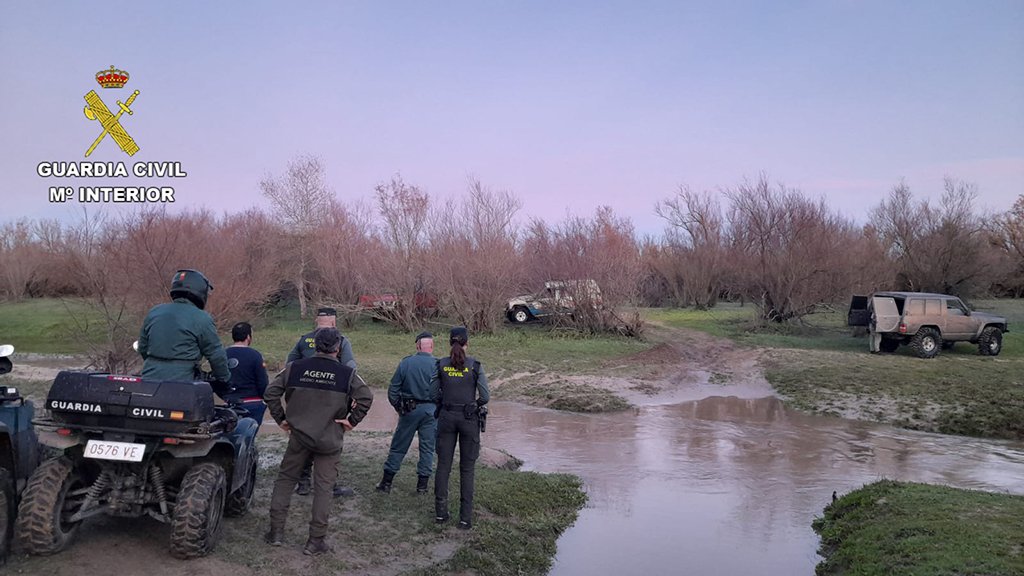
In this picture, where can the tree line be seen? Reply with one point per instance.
(775, 247)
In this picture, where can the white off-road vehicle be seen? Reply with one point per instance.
(557, 297)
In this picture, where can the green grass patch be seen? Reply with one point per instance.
(47, 325)
(896, 529)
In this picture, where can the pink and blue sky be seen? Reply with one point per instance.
(570, 105)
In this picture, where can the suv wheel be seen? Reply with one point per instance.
(198, 511)
(54, 493)
(926, 343)
(990, 343)
(519, 315)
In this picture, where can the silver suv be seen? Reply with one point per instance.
(926, 322)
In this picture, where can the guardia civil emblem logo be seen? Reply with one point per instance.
(95, 109)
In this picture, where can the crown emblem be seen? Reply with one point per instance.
(112, 78)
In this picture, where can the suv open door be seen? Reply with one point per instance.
(887, 314)
(858, 315)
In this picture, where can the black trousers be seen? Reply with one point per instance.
(453, 426)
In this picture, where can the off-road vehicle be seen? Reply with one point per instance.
(926, 322)
(131, 448)
(557, 297)
(19, 449)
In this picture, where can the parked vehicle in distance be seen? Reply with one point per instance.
(927, 322)
(384, 304)
(556, 298)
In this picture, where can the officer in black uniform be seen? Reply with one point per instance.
(462, 396)
(326, 317)
(324, 399)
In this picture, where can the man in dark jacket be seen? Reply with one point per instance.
(326, 317)
(175, 336)
(248, 376)
(325, 398)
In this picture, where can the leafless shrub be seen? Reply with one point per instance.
(402, 270)
(301, 202)
(786, 247)
(476, 262)
(1008, 238)
(696, 239)
(19, 259)
(940, 248)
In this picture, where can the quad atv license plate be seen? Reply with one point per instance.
(124, 451)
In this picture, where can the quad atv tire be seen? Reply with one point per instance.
(990, 343)
(53, 494)
(196, 524)
(889, 345)
(519, 315)
(926, 343)
(6, 511)
(239, 500)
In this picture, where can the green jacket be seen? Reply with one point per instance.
(413, 379)
(174, 339)
(318, 391)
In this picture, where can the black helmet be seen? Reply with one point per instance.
(191, 284)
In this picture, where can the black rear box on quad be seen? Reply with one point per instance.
(130, 404)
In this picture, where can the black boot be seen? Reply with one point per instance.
(421, 484)
(316, 547)
(441, 514)
(274, 537)
(385, 482)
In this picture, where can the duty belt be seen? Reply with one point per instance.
(447, 406)
(180, 360)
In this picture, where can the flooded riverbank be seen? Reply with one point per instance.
(723, 485)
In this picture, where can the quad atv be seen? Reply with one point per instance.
(134, 447)
(19, 449)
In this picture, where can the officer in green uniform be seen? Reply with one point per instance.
(326, 317)
(412, 395)
(325, 399)
(175, 336)
(462, 389)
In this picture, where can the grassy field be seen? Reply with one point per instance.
(899, 529)
(518, 518)
(821, 368)
(530, 354)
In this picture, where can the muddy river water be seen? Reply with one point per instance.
(723, 485)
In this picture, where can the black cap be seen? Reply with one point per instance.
(459, 334)
(326, 311)
(423, 335)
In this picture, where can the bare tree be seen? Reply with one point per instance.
(696, 237)
(18, 259)
(936, 248)
(476, 262)
(301, 201)
(404, 209)
(786, 248)
(1008, 238)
